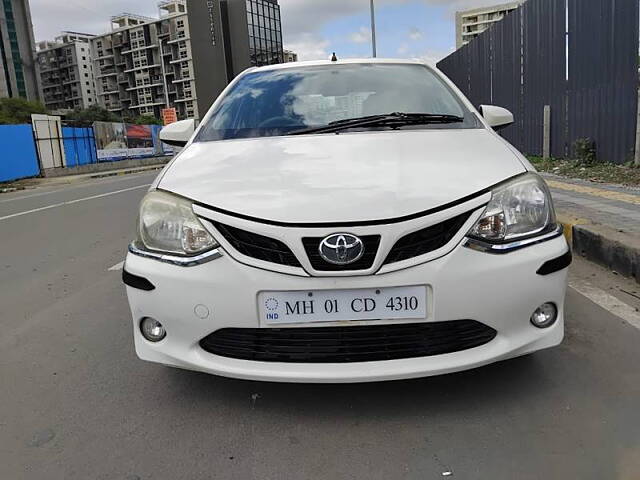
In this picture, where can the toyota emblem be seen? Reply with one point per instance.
(341, 249)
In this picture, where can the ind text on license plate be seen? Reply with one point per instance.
(340, 305)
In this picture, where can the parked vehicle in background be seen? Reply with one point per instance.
(345, 221)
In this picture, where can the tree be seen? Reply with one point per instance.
(146, 120)
(96, 113)
(18, 110)
(92, 114)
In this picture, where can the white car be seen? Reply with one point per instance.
(345, 221)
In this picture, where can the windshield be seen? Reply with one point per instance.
(278, 102)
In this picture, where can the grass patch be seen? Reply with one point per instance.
(627, 174)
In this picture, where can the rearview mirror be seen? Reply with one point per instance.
(178, 133)
(496, 117)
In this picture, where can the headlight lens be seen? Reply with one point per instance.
(167, 224)
(520, 208)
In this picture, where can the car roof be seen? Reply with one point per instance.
(282, 66)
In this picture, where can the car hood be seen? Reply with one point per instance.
(341, 178)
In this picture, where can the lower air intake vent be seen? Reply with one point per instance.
(348, 344)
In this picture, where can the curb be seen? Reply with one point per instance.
(18, 188)
(127, 172)
(105, 167)
(613, 249)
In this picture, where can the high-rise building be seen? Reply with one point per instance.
(265, 31)
(66, 72)
(290, 56)
(18, 69)
(185, 58)
(471, 23)
(236, 35)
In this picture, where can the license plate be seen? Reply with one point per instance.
(343, 305)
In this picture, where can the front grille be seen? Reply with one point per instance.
(370, 242)
(426, 240)
(258, 246)
(348, 344)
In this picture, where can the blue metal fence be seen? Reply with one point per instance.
(79, 146)
(19, 158)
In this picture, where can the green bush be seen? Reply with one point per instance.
(584, 150)
(96, 113)
(92, 114)
(146, 120)
(18, 110)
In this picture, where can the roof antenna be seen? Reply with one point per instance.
(334, 58)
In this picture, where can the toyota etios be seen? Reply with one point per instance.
(345, 221)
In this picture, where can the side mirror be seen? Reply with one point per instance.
(178, 133)
(496, 117)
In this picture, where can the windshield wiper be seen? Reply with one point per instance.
(394, 120)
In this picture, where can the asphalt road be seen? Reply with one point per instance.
(75, 402)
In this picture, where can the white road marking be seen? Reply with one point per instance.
(117, 266)
(608, 302)
(74, 186)
(13, 199)
(68, 187)
(70, 202)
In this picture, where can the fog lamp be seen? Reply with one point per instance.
(545, 315)
(152, 329)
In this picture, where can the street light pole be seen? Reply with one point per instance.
(164, 75)
(373, 30)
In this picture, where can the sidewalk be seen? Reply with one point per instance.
(129, 163)
(602, 222)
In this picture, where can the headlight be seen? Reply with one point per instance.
(518, 209)
(167, 224)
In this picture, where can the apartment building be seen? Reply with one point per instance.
(471, 23)
(184, 58)
(66, 72)
(18, 68)
(130, 67)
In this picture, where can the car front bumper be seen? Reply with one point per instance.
(500, 291)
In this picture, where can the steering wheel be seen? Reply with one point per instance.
(279, 122)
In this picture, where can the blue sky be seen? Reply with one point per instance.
(410, 30)
(405, 28)
(313, 28)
